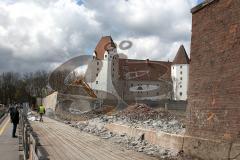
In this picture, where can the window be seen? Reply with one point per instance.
(105, 56)
(113, 75)
(180, 78)
(181, 72)
(97, 69)
(131, 85)
(97, 63)
(113, 64)
(113, 69)
(157, 93)
(172, 67)
(180, 93)
(180, 66)
(96, 75)
(180, 86)
(139, 88)
(96, 82)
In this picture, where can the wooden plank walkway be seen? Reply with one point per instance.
(62, 142)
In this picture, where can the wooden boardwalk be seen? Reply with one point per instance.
(62, 142)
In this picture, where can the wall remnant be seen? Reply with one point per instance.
(214, 83)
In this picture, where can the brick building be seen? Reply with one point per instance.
(132, 79)
(214, 80)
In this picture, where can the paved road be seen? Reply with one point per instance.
(62, 142)
(8, 145)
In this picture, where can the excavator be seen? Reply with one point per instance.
(86, 87)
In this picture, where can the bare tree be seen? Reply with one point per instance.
(15, 87)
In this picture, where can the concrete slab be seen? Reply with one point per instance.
(163, 139)
(206, 149)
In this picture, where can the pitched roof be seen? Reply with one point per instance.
(181, 57)
(103, 45)
(202, 5)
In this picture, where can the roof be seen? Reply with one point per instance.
(144, 70)
(202, 5)
(181, 57)
(103, 45)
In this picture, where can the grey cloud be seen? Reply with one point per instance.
(5, 57)
(35, 34)
(160, 21)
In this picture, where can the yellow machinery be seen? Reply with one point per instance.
(86, 87)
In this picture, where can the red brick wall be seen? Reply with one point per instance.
(214, 89)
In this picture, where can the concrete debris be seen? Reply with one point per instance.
(96, 112)
(96, 127)
(165, 125)
(32, 117)
(137, 116)
(142, 112)
(141, 115)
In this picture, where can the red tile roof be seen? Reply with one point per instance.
(181, 57)
(105, 43)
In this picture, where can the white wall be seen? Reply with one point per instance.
(180, 76)
(102, 78)
(50, 101)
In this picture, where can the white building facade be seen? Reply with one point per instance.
(102, 72)
(180, 75)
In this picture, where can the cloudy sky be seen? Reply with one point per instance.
(41, 34)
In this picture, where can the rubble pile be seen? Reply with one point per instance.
(142, 112)
(97, 112)
(141, 115)
(137, 116)
(127, 143)
(67, 116)
(96, 127)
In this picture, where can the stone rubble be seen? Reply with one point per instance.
(136, 116)
(123, 140)
(96, 126)
(170, 126)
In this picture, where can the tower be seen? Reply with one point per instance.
(102, 72)
(179, 74)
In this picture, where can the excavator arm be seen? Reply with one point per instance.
(86, 87)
